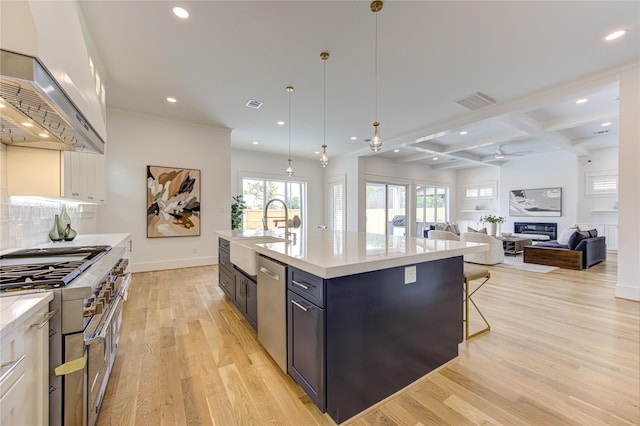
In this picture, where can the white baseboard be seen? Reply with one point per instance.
(173, 264)
(628, 292)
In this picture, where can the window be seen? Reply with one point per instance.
(336, 206)
(258, 192)
(601, 183)
(432, 206)
(482, 191)
(386, 208)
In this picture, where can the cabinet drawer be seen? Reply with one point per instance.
(224, 261)
(309, 286)
(223, 244)
(227, 283)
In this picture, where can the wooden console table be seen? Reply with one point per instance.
(514, 245)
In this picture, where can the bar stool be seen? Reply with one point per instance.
(472, 273)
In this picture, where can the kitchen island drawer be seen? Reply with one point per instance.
(225, 261)
(227, 282)
(310, 286)
(224, 244)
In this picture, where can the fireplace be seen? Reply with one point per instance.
(536, 228)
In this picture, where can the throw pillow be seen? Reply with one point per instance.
(566, 234)
(575, 239)
(481, 230)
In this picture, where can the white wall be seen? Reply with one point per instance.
(628, 286)
(475, 176)
(138, 140)
(559, 169)
(597, 161)
(272, 166)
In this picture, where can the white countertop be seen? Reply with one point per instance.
(15, 309)
(330, 254)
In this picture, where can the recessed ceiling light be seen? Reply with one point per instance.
(582, 100)
(616, 34)
(171, 100)
(43, 135)
(435, 158)
(353, 138)
(316, 152)
(180, 12)
(27, 124)
(396, 150)
(464, 132)
(280, 123)
(608, 123)
(255, 142)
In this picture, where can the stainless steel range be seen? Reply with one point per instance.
(89, 284)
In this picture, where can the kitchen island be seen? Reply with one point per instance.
(367, 314)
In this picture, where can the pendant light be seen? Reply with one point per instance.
(376, 143)
(289, 169)
(324, 160)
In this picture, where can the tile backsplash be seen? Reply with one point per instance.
(25, 222)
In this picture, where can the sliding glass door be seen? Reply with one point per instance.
(386, 208)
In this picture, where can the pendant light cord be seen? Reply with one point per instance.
(324, 102)
(290, 124)
(375, 55)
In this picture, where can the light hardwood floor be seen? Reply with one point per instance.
(562, 351)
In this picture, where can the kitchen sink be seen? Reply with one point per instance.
(243, 254)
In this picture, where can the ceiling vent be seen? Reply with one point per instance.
(252, 103)
(601, 132)
(476, 101)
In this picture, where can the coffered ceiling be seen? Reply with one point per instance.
(534, 59)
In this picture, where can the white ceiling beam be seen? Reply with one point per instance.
(534, 128)
(575, 121)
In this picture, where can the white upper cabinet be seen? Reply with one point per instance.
(56, 174)
(53, 31)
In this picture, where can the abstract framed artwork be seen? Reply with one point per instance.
(536, 202)
(173, 202)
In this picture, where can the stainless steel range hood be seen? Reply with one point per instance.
(35, 112)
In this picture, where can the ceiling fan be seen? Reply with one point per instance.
(500, 154)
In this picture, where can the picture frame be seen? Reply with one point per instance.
(545, 202)
(173, 202)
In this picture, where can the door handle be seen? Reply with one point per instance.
(300, 306)
(269, 273)
(10, 366)
(299, 284)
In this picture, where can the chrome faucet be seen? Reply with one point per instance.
(265, 219)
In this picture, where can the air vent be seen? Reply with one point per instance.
(476, 101)
(252, 103)
(601, 132)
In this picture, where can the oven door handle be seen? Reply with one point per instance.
(102, 334)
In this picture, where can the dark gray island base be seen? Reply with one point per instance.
(355, 340)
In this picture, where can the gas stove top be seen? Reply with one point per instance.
(46, 268)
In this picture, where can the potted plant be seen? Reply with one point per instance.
(493, 222)
(237, 206)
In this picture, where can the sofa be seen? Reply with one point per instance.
(495, 254)
(582, 250)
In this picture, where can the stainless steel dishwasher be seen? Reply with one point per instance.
(272, 309)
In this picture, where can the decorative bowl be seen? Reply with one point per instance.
(506, 234)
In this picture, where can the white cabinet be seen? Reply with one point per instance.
(24, 343)
(56, 174)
